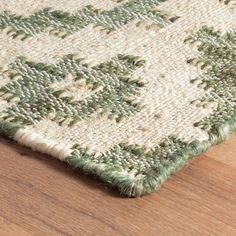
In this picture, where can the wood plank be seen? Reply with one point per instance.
(43, 196)
(8, 228)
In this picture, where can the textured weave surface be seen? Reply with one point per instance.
(126, 90)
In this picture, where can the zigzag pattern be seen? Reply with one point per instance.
(36, 99)
(218, 60)
(62, 23)
(130, 157)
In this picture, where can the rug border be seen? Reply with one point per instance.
(139, 185)
(131, 185)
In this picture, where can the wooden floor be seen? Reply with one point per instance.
(42, 196)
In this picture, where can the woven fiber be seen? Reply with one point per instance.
(126, 90)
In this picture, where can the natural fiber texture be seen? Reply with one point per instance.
(126, 90)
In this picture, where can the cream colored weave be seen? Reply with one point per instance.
(171, 101)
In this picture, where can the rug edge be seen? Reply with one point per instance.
(140, 185)
(131, 185)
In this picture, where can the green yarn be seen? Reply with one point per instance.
(63, 23)
(142, 183)
(136, 157)
(153, 167)
(218, 62)
(37, 99)
(113, 91)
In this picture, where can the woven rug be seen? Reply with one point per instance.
(126, 90)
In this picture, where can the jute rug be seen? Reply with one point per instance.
(126, 90)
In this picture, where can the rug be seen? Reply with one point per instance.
(125, 90)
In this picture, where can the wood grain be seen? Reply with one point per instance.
(42, 196)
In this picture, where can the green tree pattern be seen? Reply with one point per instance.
(37, 99)
(63, 23)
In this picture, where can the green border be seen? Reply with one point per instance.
(142, 185)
